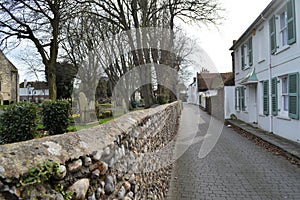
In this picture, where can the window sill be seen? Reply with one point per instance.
(261, 61)
(284, 118)
(246, 68)
(241, 111)
(282, 49)
(262, 115)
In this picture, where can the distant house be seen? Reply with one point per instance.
(35, 91)
(8, 81)
(215, 93)
(266, 61)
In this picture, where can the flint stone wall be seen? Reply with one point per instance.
(128, 158)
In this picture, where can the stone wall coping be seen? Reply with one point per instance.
(17, 158)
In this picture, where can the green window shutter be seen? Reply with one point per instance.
(293, 86)
(242, 98)
(250, 51)
(266, 97)
(236, 98)
(243, 56)
(291, 21)
(274, 97)
(272, 27)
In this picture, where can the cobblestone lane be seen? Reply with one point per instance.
(236, 168)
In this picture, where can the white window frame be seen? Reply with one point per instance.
(239, 106)
(246, 53)
(284, 97)
(283, 32)
(282, 44)
(237, 60)
(246, 50)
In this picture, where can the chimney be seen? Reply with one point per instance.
(204, 70)
(25, 83)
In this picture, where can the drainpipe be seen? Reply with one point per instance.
(270, 95)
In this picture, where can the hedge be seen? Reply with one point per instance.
(18, 123)
(55, 116)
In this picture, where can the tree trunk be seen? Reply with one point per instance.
(148, 95)
(51, 78)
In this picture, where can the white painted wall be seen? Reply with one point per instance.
(228, 99)
(203, 99)
(33, 92)
(193, 94)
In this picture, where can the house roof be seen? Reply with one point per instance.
(12, 67)
(261, 18)
(38, 85)
(207, 81)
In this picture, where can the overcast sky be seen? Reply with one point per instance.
(215, 41)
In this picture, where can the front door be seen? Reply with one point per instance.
(253, 103)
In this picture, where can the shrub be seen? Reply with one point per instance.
(18, 123)
(141, 103)
(41, 173)
(103, 110)
(56, 116)
(162, 99)
(107, 113)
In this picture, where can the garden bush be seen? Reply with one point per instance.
(18, 123)
(162, 99)
(103, 110)
(56, 116)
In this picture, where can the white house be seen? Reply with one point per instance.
(36, 91)
(266, 61)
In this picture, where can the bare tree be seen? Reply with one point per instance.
(33, 66)
(106, 19)
(162, 14)
(38, 21)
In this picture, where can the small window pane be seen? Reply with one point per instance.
(284, 86)
(284, 37)
(283, 19)
(286, 103)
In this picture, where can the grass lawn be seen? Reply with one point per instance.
(102, 121)
(80, 127)
(137, 108)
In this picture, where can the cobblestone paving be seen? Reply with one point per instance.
(235, 169)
